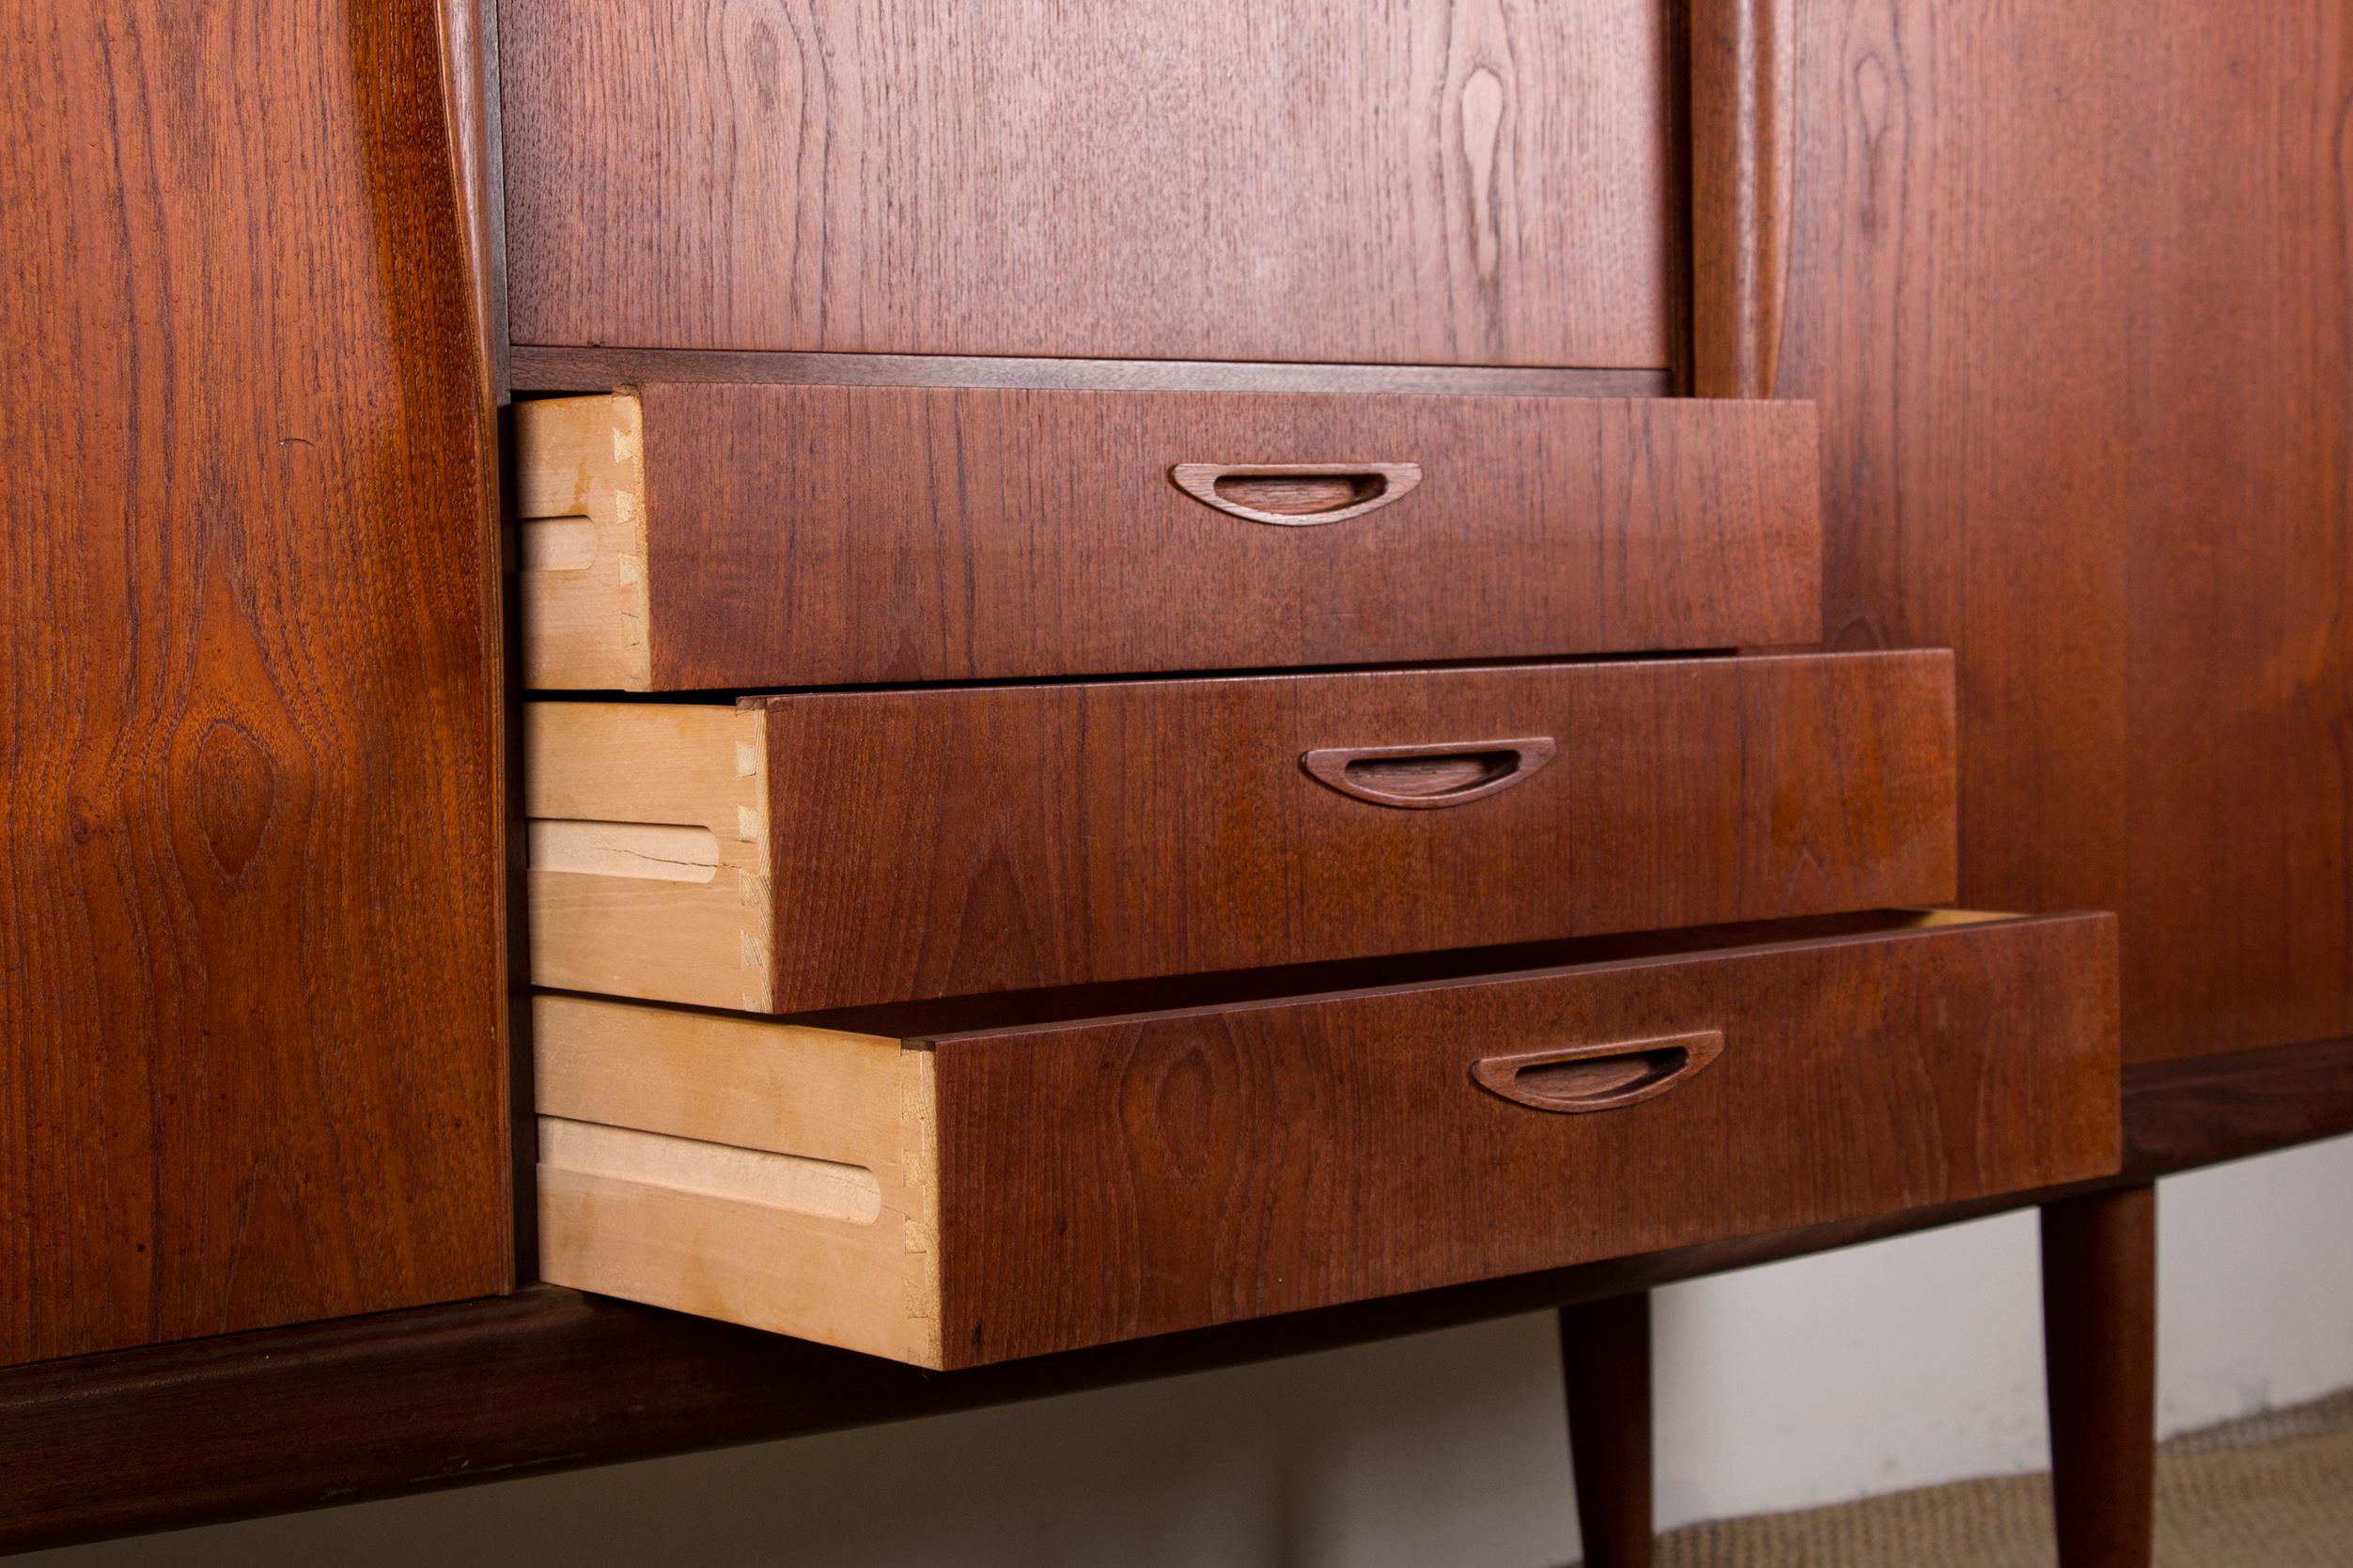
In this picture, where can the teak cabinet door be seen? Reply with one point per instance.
(2081, 325)
(253, 1064)
(1416, 182)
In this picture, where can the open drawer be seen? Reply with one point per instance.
(837, 849)
(955, 1196)
(682, 535)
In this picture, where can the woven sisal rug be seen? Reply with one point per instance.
(2272, 1491)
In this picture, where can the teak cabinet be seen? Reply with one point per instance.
(253, 1060)
(1189, 648)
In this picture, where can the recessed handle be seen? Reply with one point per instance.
(1295, 495)
(1451, 773)
(1598, 1078)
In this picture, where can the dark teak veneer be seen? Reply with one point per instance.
(1422, 184)
(2085, 375)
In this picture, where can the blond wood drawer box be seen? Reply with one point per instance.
(839, 849)
(682, 536)
(954, 1198)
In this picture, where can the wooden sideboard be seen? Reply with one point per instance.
(1256, 539)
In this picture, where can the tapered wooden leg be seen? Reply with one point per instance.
(2099, 1349)
(1605, 1364)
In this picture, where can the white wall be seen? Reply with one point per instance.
(1911, 1361)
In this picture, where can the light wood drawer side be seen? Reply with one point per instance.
(649, 844)
(581, 495)
(778, 1177)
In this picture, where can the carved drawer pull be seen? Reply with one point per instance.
(1421, 777)
(1598, 1078)
(1293, 495)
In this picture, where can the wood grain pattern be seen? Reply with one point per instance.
(2079, 314)
(1426, 182)
(2200, 1110)
(1202, 1166)
(828, 1094)
(2238, 469)
(816, 536)
(1056, 834)
(252, 1066)
(469, 61)
(547, 1379)
(2099, 1352)
(952, 841)
(622, 1231)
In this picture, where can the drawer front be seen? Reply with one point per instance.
(836, 850)
(820, 535)
(1218, 1164)
(1416, 182)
